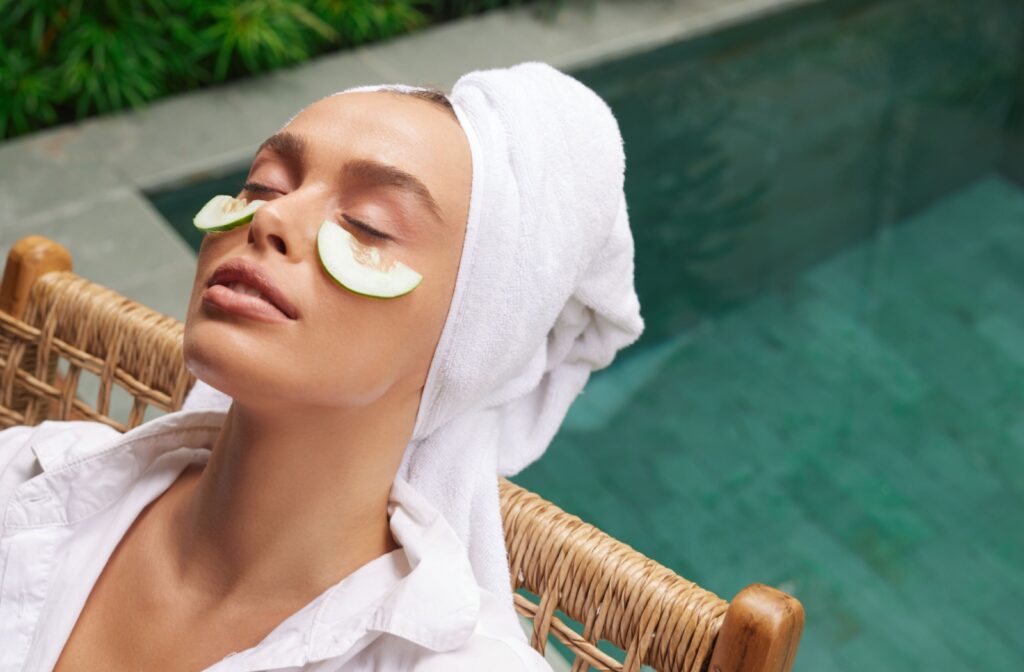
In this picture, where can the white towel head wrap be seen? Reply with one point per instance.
(544, 295)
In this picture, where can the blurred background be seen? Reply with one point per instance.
(827, 199)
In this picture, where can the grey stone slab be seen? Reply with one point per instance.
(437, 57)
(243, 114)
(116, 238)
(216, 129)
(166, 291)
(176, 134)
(299, 86)
(38, 172)
(579, 34)
(177, 138)
(182, 131)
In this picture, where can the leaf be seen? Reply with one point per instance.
(74, 58)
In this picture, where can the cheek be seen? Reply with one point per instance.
(344, 349)
(356, 330)
(367, 345)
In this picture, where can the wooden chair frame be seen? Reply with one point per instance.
(655, 616)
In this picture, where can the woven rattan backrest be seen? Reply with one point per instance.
(572, 570)
(615, 593)
(94, 329)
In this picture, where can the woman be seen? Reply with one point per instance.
(335, 505)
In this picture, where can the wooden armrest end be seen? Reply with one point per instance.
(760, 633)
(29, 258)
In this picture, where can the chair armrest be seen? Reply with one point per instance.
(760, 633)
(29, 258)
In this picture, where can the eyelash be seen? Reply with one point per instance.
(258, 188)
(255, 187)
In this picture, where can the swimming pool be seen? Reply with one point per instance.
(828, 206)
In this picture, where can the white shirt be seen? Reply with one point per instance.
(69, 490)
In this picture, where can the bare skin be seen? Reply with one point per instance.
(294, 497)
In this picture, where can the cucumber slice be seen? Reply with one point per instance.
(223, 212)
(362, 268)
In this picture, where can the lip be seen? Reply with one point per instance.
(239, 269)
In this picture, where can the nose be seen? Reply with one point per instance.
(266, 230)
(287, 224)
(266, 238)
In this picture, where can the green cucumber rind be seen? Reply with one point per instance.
(242, 219)
(370, 296)
(323, 265)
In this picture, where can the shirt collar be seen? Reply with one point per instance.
(435, 602)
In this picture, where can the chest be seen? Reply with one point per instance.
(137, 617)
(105, 638)
(125, 626)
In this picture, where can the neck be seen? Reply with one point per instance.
(290, 502)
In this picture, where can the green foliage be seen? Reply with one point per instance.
(62, 60)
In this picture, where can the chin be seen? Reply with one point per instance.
(223, 365)
(243, 373)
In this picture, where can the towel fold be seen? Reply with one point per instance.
(544, 295)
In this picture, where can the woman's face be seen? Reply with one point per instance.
(342, 349)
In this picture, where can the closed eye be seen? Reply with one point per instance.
(368, 229)
(257, 188)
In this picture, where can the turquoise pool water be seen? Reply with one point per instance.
(829, 216)
(829, 396)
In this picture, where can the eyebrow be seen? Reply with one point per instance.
(295, 147)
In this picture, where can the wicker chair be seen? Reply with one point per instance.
(657, 618)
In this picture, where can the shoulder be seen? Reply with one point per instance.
(17, 463)
(28, 450)
(52, 442)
